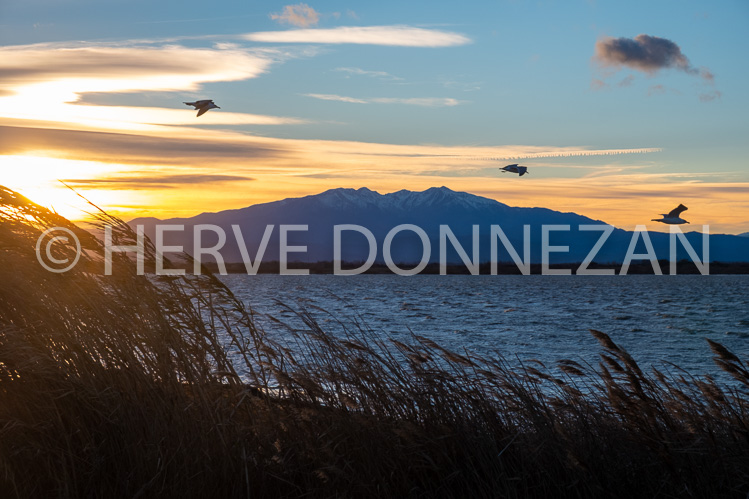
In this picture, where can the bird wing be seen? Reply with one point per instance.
(522, 170)
(202, 111)
(677, 211)
(202, 103)
(508, 166)
(191, 103)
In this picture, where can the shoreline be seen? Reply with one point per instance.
(683, 267)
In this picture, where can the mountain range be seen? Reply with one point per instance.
(380, 213)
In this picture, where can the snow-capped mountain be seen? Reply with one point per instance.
(379, 214)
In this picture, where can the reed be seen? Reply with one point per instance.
(145, 386)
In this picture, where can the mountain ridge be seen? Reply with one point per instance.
(428, 210)
(341, 193)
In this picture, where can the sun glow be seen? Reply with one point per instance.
(40, 179)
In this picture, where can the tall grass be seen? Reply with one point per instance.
(145, 386)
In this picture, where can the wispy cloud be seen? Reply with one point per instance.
(465, 86)
(337, 98)
(410, 101)
(598, 84)
(626, 81)
(196, 148)
(398, 36)
(282, 168)
(381, 75)
(528, 152)
(300, 15)
(113, 68)
(139, 180)
(420, 101)
(49, 81)
(132, 148)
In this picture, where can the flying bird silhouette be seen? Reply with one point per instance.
(203, 106)
(520, 170)
(672, 217)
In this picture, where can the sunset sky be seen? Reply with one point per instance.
(621, 110)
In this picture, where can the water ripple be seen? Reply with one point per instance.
(654, 317)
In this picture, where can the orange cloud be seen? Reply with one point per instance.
(46, 82)
(162, 173)
(301, 15)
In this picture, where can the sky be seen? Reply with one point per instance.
(621, 110)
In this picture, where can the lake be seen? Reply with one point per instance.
(656, 318)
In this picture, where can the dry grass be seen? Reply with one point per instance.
(122, 386)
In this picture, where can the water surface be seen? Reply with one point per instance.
(655, 318)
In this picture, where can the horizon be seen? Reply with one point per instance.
(651, 228)
(618, 117)
(438, 225)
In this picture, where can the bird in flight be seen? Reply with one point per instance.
(672, 217)
(520, 170)
(203, 106)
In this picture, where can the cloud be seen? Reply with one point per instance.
(134, 117)
(420, 101)
(465, 86)
(707, 75)
(126, 68)
(301, 15)
(136, 180)
(648, 54)
(49, 82)
(597, 84)
(397, 36)
(412, 101)
(338, 98)
(529, 152)
(128, 148)
(382, 75)
(198, 148)
(643, 53)
(284, 168)
(627, 81)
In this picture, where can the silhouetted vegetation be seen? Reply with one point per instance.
(147, 386)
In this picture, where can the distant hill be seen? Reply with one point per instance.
(379, 213)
